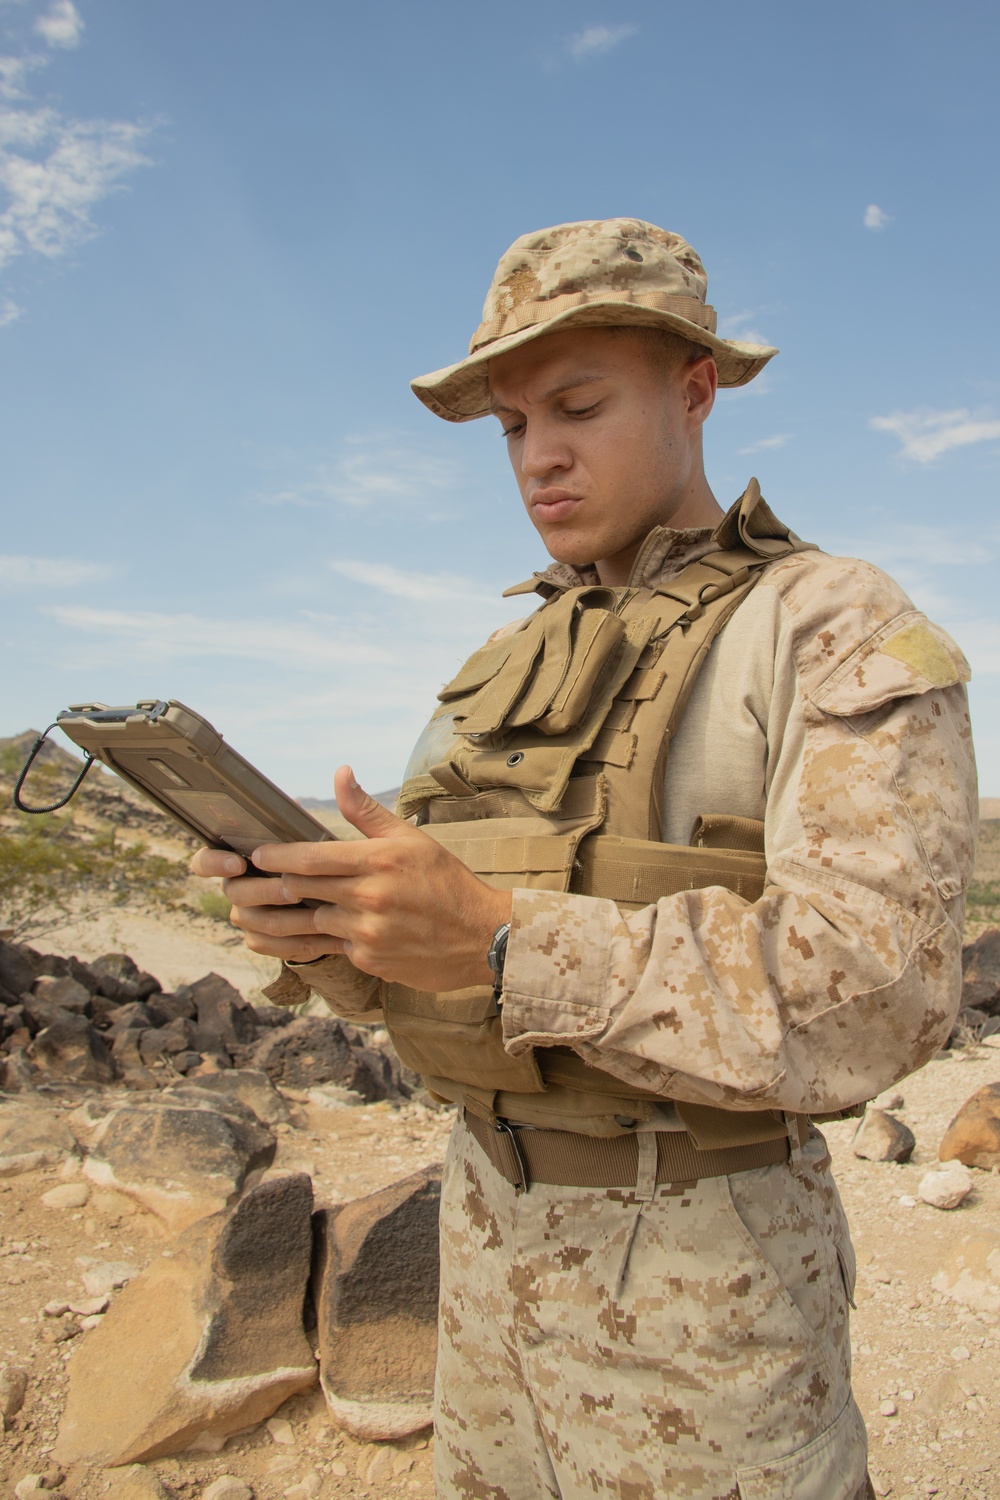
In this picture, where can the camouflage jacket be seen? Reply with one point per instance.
(846, 974)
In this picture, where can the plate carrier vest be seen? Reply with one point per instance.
(556, 783)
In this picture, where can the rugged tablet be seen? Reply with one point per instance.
(176, 759)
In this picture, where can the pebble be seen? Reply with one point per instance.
(907, 1200)
(947, 1186)
(888, 1408)
(280, 1463)
(308, 1487)
(280, 1430)
(13, 1388)
(67, 1195)
(227, 1487)
(960, 1352)
(380, 1467)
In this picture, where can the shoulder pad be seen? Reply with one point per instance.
(910, 655)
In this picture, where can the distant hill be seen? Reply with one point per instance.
(989, 808)
(387, 799)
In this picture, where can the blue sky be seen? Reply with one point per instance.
(231, 232)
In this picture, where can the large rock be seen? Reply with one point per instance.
(315, 1050)
(971, 1274)
(18, 968)
(375, 1286)
(71, 1048)
(225, 1020)
(981, 973)
(183, 1156)
(66, 992)
(31, 1136)
(881, 1137)
(120, 978)
(249, 1087)
(973, 1137)
(206, 1342)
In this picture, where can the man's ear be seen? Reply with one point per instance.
(701, 381)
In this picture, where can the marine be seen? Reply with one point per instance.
(677, 872)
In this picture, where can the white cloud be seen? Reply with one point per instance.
(767, 444)
(420, 587)
(62, 26)
(876, 218)
(49, 572)
(9, 311)
(60, 174)
(594, 41)
(741, 326)
(54, 170)
(925, 434)
(379, 468)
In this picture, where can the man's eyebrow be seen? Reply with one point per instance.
(570, 384)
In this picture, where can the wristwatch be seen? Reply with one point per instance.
(496, 958)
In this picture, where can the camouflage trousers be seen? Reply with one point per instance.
(692, 1346)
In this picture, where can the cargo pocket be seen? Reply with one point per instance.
(831, 1467)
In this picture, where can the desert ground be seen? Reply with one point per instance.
(927, 1368)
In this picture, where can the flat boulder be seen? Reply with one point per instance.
(206, 1342)
(183, 1156)
(973, 1137)
(71, 1048)
(31, 1135)
(250, 1087)
(314, 1050)
(375, 1288)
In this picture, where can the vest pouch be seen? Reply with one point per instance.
(639, 872)
(597, 637)
(456, 1035)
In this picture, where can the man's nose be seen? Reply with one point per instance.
(542, 451)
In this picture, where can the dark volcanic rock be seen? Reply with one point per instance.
(178, 1003)
(134, 1015)
(18, 967)
(251, 1088)
(881, 1137)
(71, 1048)
(314, 1050)
(67, 992)
(981, 973)
(176, 1037)
(225, 1020)
(121, 979)
(183, 1155)
(378, 1332)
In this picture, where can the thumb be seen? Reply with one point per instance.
(363, 812)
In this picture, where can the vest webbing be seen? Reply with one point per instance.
(555, 781)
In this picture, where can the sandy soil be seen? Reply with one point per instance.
(937, 1363)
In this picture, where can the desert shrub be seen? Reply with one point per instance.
(213, 904)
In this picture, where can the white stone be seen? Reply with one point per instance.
(67, 1195)
(104, 1276)
(227, 1487)
(907, 1201)
(207, 1442)
(888, 1408)
(947, 1186)
(960, 1352)
(86, 1307)
(280, 1430)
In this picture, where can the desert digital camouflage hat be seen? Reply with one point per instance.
(598, 273)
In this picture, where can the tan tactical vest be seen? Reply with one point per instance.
(556, 783)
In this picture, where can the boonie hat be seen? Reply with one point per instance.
(595, 274)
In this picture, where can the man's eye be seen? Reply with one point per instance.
(581, 411)
(514, 430)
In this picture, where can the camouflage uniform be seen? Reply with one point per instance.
(691, 1339)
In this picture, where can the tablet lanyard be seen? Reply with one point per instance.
(19, 783)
